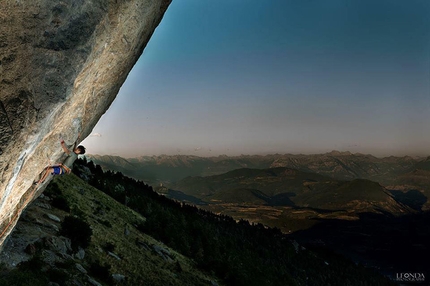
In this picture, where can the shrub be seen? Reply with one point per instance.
(140, 226)
(77, 212)
(34, 264)
(19, 277)
(109, 246)
(61, 203)
(101, 271)
(57, 276)
(58, 200)
(52, 190)
(78, 230)
(105, 223)
(65, 264)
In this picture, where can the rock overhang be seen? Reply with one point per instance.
(61, 64)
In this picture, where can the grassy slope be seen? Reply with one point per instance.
(142, 266)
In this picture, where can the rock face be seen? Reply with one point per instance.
(61, 66)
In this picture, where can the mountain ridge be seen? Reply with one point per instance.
(341, 165)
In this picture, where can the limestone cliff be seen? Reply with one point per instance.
(61, 66)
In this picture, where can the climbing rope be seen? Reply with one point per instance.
(26, 201)
(34, 189)
(23, 205)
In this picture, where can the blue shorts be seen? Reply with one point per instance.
(58, 170)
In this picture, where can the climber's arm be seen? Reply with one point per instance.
(76, 142)
(65, 149)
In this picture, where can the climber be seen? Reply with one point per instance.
(66, 166)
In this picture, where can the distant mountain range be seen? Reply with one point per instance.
(331, 185)
(339, 165)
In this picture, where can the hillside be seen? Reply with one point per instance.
(358, 218)
(160, 242)
(118, 252)
(381, 226)
(170, 243)
(413, 187)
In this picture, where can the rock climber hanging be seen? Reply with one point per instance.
(66, 166)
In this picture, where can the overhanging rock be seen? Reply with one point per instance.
(61, 66)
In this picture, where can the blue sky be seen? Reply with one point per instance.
(256, 77)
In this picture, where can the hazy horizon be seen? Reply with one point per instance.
(423, 156)
(277, 77)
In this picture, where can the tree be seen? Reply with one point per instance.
(78, 230)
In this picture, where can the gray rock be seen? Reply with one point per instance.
(62, 65)
(93, 282)
(142, 244)
(67, 242)
(80, 254)
(58, 244)
(46, 198)
(81, 268)
(296, 246)
(77, 282)
(54, 227)
(160, 249)
(164, 253)
(126, 231)
(43, 205)
(114, 255)
(50, 257)
(118, 277)
(45, 224)
(65, 256)
(53, 217)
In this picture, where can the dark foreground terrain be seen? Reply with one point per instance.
(393, 245)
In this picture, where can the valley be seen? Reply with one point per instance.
(373, 210)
